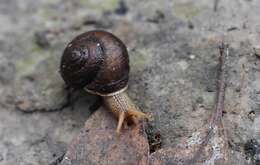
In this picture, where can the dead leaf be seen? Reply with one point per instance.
(206, 146)
(98, 144)
(213, 153)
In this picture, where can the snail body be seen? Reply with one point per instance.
(98, 62)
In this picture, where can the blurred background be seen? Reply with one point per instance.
(173, 49)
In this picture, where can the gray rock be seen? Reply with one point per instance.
(173, 70)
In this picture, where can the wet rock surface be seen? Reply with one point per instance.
(173, 48)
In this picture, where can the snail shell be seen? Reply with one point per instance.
(97, 61)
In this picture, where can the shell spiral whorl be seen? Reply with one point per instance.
(97, 61)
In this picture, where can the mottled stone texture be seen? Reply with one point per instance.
(173, 53)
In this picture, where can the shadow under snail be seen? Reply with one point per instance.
(98, 62)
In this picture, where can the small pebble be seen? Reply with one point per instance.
(183, 64)
(251, 115)
(122, 8)
(42, 39)
(192, 56)
(257, 52)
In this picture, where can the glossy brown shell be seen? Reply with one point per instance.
(96, 60)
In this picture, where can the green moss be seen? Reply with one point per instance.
(139, 59)
(27, 65)
(49, 15)
(100, 4)
(52, 16)
(187, 10)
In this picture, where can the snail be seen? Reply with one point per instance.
(98, 62)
